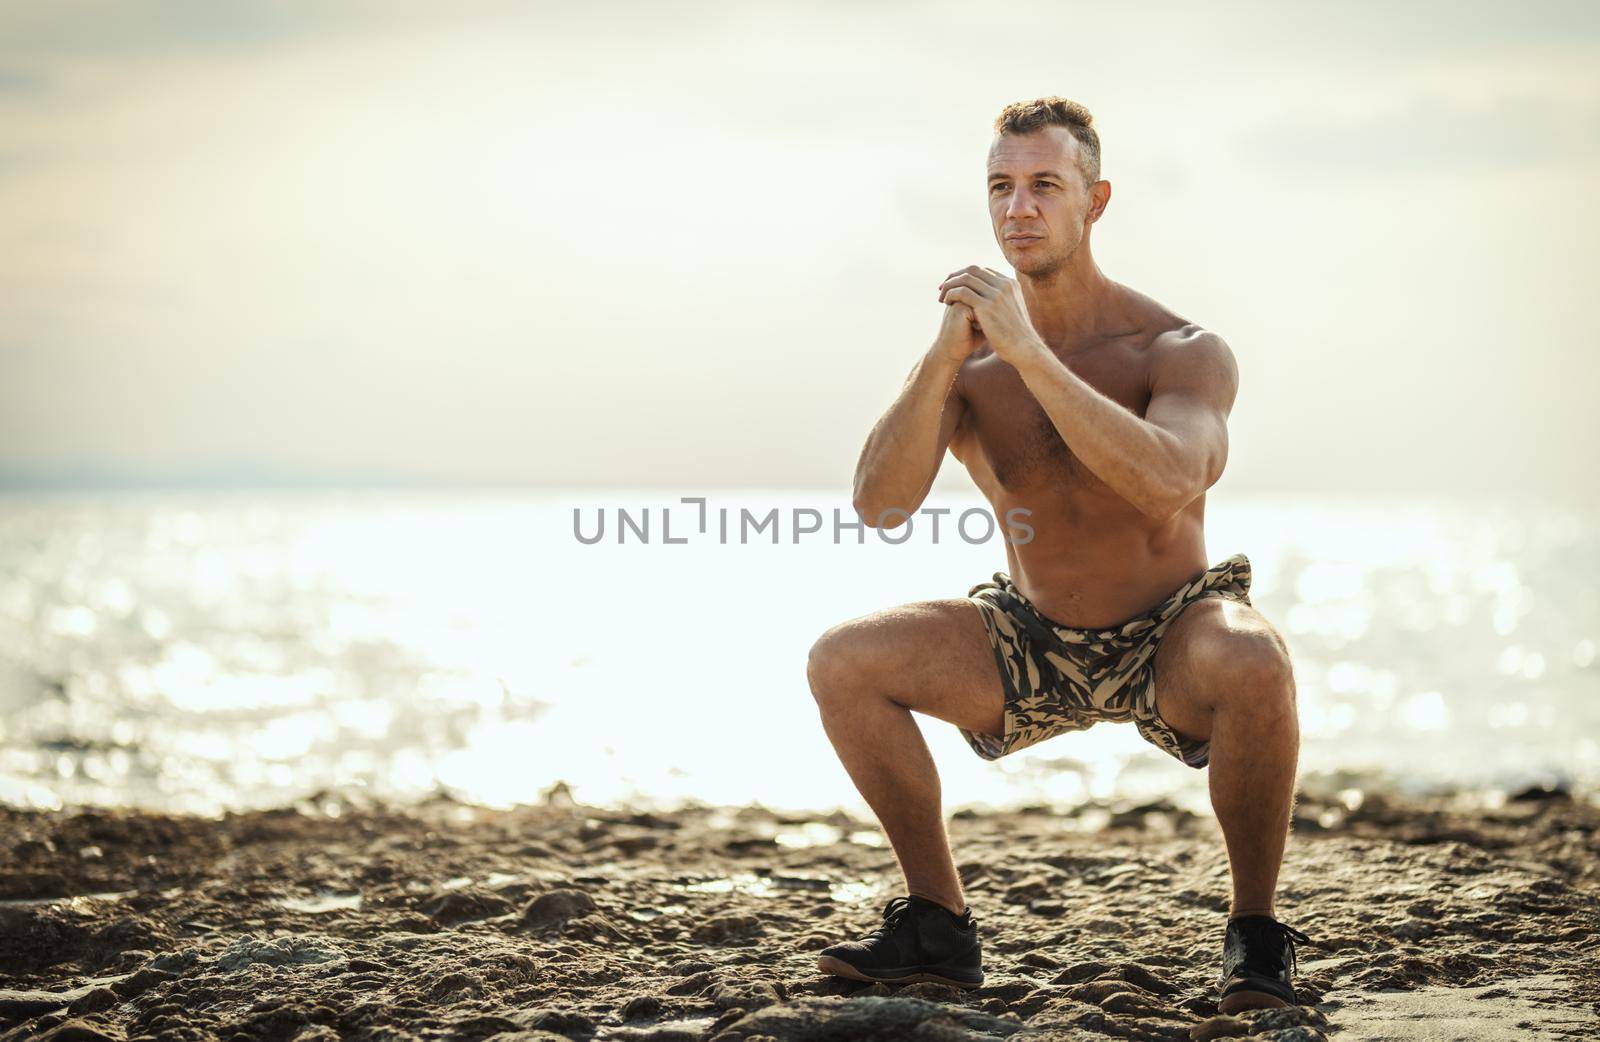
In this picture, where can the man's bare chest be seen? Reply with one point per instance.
(1007, 437)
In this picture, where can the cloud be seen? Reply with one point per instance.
(1431, 132)
(22, 82)
(48, 30)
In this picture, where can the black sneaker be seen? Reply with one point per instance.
(1257, 963)
(920, 940)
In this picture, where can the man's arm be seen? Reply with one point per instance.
(1160, 463)
(906, 446)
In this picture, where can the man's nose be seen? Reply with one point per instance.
(1022, 204)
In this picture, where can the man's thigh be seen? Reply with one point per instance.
(930, 656)
(1199, 655)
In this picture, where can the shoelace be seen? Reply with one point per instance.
(1288, 935)
(893, 913)
(897, 909)
(1280, 935)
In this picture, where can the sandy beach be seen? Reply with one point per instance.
(559, 921)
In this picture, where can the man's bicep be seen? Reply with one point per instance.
(1192, 391)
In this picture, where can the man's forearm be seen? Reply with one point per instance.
(1135, 458)
(901, 454)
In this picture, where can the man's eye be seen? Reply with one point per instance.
(1044, 184)
(996, 187)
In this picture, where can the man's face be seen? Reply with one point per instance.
(1039, 202)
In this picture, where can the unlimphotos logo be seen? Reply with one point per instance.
(744, 526)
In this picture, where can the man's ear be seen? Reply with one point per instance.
(1099, 196)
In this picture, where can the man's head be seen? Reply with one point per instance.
(1044, 183)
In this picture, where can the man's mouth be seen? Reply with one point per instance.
(1023, 238)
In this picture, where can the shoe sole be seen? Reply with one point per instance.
(840, 968)
(1240, 1001)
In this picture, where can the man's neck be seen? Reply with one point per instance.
(1070, 305)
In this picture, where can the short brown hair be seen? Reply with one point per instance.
(1025, 117)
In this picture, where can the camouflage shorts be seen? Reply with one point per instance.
(1060, 679)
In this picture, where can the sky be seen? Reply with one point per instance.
(697, 246)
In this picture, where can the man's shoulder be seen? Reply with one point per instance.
(1189, 356)
(1167, 331)
(1188, 337)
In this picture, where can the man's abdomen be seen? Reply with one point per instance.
(1096, 572)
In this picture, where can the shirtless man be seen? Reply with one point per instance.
(1105, 415)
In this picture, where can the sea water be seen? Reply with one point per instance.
(204, 651)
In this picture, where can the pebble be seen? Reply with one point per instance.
(467, 905)
(277, 951)
(725, 928)
(1218, 1027)
(80, 1031)
(641, 1007)
(98, 999)
(557, 906)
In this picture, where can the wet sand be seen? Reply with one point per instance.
(559, 921)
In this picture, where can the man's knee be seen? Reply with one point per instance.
(1235, 655)
(828, 667)
(930, 657)
(1252, 666)
(1263, 661)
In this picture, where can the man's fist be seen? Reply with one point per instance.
(997, 305)
(959, 334)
